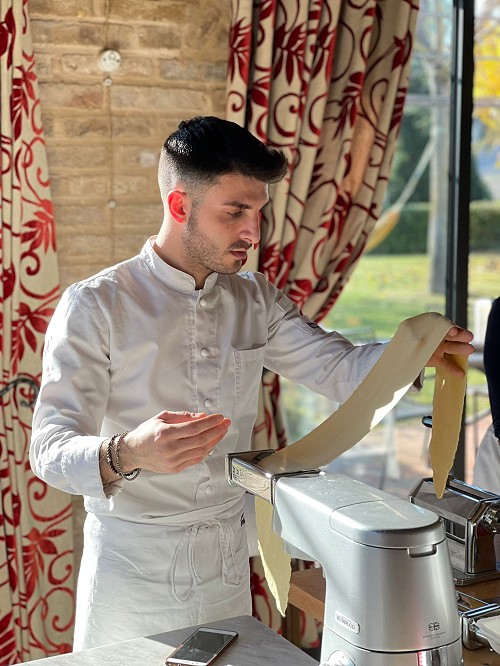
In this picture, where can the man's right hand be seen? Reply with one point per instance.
(170, 442)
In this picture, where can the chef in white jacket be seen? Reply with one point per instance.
(151, 372)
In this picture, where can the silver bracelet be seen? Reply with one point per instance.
(128, 476)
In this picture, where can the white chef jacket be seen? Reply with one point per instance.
(487, 463)
(139, 338)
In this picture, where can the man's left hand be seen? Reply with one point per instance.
(457, 341)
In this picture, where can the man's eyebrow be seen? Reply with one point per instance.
(237, 204)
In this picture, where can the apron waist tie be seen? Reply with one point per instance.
(231, 576)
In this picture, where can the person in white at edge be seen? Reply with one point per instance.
(169, 348)
(487, 464)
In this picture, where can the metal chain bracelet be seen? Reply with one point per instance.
(116, 467)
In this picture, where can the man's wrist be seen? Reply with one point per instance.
(121, 467)
(128, 460)
(107, 475)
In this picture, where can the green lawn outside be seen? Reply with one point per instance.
(383, 291)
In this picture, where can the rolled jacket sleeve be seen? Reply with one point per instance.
(73, 396)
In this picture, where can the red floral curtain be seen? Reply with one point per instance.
(324, 81)
(36, 556)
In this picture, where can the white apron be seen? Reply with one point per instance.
(138, 579)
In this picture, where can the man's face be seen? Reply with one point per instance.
(224, 225)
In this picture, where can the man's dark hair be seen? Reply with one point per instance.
(204, 148)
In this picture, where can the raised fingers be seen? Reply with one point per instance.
(186, 457)
(179, 417)
(459, 334)
(186, 443)
(456, 347)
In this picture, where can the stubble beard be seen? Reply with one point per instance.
(203, 253)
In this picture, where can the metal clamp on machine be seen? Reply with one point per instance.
(243, 469)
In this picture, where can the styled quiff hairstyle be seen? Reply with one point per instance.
(204, 148)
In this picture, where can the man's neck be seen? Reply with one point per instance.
(198, 276)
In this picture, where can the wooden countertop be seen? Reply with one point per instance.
(307, 592)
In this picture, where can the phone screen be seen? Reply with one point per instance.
(202, 646)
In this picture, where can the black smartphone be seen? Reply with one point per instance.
(202, 647)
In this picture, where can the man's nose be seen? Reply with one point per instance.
(251, 231)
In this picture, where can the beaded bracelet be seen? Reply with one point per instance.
(109, 458)
(128, 476)
(116, 466)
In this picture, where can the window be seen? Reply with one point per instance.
(405, 270)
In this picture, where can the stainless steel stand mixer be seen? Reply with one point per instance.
(390, 594)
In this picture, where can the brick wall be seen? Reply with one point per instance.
(104, 131)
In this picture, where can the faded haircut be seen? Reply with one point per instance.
(204, 148)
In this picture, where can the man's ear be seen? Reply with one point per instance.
(178, 205)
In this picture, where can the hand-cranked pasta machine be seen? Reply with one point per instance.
(471, 517)
(390, 595)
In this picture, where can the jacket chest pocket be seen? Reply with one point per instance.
(248, 366)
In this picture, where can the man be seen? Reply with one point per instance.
(151, 376)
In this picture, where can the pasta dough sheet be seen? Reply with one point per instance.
(448, 403)
(390, 378)
(276, 562)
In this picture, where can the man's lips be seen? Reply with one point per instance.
(241, 255)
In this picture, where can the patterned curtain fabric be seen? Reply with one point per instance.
(324, 81)
(36, 556)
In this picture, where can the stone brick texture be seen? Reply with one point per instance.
(104, 130)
